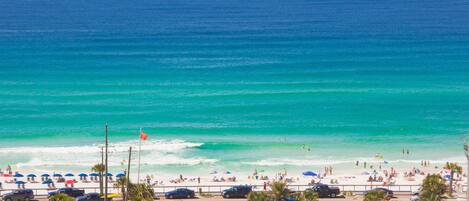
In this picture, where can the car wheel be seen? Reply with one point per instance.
(227, 196)
(171, 197)
(333, 195)
(8, 199)
(188, 196)
(27, 199)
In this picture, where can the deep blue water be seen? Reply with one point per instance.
(248, 80)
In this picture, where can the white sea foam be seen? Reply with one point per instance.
(88, 162)
(151, 145)
(154, 152)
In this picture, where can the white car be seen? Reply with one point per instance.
(414, 196)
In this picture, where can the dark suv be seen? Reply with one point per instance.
(237, 192)
(72, 192)
(324, 190)
(21, 194)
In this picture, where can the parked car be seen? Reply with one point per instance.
(72, 192)
(19, 195)
(389, 193)
(180, 193)
(91, 197)
(237, 192)
(415, 196)
(324, 190)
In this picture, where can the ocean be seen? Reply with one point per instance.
(232, 85)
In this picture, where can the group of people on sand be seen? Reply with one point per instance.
(327, 170)
(222, 179)
(425, 163)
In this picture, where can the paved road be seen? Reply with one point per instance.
(219, 198)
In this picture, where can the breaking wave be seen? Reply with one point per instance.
(151, 145)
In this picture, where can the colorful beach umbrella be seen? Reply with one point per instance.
(120, 175)
(45, 175)
(69, 175)
(57, 175)
(94, 174)
(309, 174)
(18, 175)
(49, 181)
(31, 175)
(20, 182)
(82, 175)
(69, 182)
(109, 174)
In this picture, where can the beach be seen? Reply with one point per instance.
(229, 90)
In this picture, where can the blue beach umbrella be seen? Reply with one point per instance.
(49, 181)
(109, 174)
(82, 175)
(120, 175)
(94, 174)
(309, 174)
(18, 175)
(20, 182)
(447, 177)
(57, 175)
(69, 175)
(45, 175)
(31, 175)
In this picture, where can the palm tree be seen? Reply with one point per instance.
(279, 190)
(258, 196)
(121, 183)
(433, 187)
(311, 196)
(299, 196)
(61, 197)
(141, 192)
(375, 195)
(454, 168)
(99, 168)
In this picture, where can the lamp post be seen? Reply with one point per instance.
(466, 152)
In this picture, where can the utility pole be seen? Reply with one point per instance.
(105, 165)
(466, 152)
(101, 173)
(126, 195)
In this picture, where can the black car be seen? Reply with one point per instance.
(324, 190)
(20, 194)
(237, 192)
(72, 192)
(389, 193)
(90, 197)
(180, 193)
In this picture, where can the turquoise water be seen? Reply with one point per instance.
(233, 85)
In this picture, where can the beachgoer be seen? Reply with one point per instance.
(265, 186)
(357, 163)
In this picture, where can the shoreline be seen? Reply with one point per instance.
(400, 178)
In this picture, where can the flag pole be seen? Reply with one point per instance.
(139, 149)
